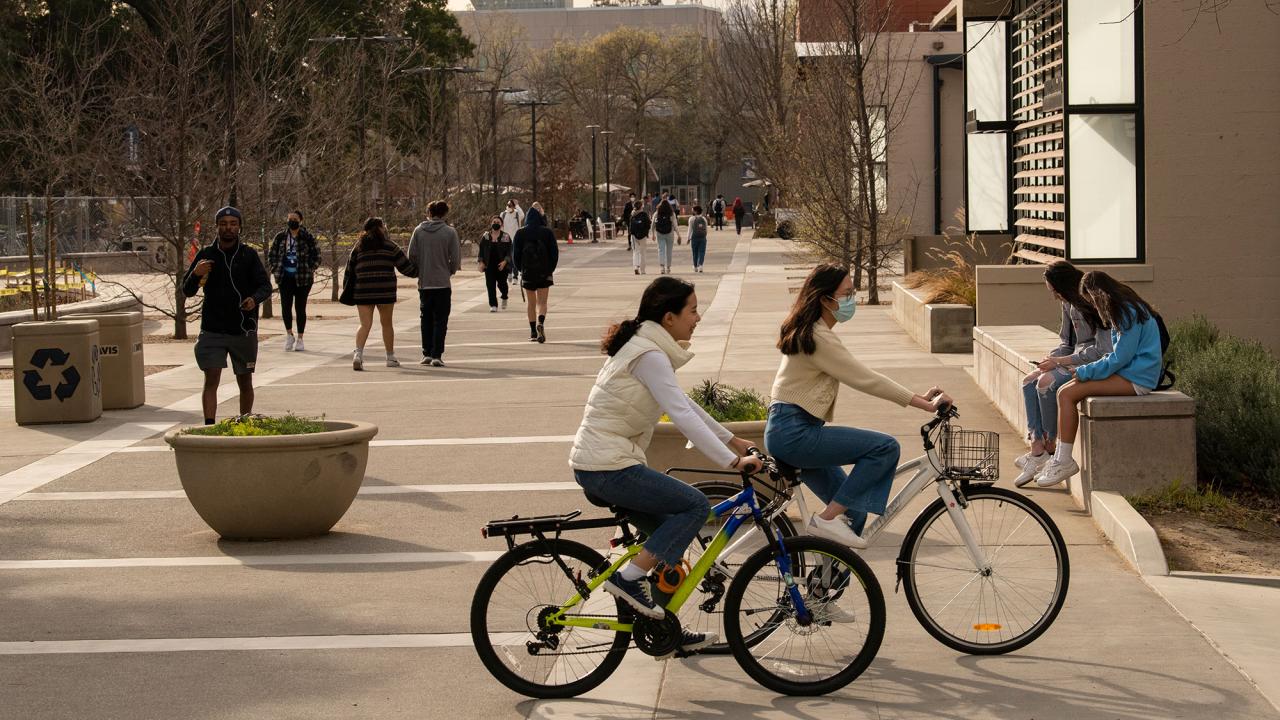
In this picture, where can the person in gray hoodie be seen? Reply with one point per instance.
(435, 249)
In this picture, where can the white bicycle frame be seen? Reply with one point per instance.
(928, 472)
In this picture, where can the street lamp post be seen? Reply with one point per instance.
(493, 94)
(231, 101)
(644, 174)
(594, 189)
(608, 190)
(441, 73)
(533, 106)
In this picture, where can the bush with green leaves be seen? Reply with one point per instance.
(258, 425)
(1236, 386)
(727, 403)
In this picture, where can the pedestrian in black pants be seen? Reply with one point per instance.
(435, 249)
(717, 209)
(495, 262)
(292, 260)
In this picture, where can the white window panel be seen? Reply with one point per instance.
(1100, 52)
(988, 182)
(1103, 187)
(986, 70)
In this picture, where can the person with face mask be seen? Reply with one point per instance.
(292, 260)
(495, 261)
(235, 283)
(815, 363)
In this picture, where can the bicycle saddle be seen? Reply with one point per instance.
(790, 472)
(643, 521)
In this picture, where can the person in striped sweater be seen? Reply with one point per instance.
(372, 271)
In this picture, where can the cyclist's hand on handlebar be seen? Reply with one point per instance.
(934, 392)
(748, 464)
(942, 401)
(740, 446)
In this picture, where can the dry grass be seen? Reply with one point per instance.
(953, 283)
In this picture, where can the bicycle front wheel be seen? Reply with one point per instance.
(986, 611)
(805, 656)
(513, 636)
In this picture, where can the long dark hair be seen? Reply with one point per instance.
(1118, 305)
(375, 231)
(666, 294)
(1065, 278)
(797, 330)
(664, 210)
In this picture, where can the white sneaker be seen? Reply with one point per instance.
(837, 530)
(392, 361)
(493, 308)
(1055, 471)
(437, 362)
(504, 303)
(425, 360)
(829, 611)
(1032, 467)
(298, 346)
(357, 360)
(288, 342)
(1021, 461)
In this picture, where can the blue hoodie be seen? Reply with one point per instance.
(1136, 356)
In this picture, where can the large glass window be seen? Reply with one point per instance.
(1100, 52)
(1103, 186)
(986, 70)
(987, 161)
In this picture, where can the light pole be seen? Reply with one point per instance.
(594, 189)
(231, 100)
(441, 73)
(533, 106)
(608, 190)
(493, 94)
(644, 175)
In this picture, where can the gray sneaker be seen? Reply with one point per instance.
(437, 362)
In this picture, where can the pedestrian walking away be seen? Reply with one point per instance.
(235, 283)
(717, 209)
(698, 237)
(371, 271)
(536, 255)
(495, 262)
(738, 210)
(666, 228)
(292, 260)
(626, 217)
(638, 230)
(435, 249)
(815, 363)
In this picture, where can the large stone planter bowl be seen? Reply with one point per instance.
(667, 449)
(276, 486)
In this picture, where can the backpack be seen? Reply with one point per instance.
(663, 223)
(640, 225)
(717, 206)
(697, 228)
(533, 259)
(1167, 378)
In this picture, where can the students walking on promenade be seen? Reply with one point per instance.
(666, 229)
(698, 237)
(626, 217)
(512, 218)
(234, 283)
(292, 259)
(738, 210)
(371, 270)
(495, 262)
(435, 249)
(638, 230)
(717, 209)
(536, 256)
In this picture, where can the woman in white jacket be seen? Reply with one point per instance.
(632, 391)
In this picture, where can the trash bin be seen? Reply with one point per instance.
(120, 355)
(55, 372)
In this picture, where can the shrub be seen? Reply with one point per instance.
(1236, 385)
(956, 280)
(257, 425)
(726, 403)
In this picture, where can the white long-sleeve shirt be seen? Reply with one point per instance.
(653, 370)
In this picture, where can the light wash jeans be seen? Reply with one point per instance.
(638, 247)
(820, 451)
(682, 509)
(666, 245)
(1042, 405)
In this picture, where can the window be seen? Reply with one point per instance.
(1103, 186)
(987, 160)
(985, 70)
(1100, 37)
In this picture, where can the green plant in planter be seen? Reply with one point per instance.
(256, 425)
(727, 403)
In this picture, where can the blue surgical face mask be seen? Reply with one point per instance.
(844, 312)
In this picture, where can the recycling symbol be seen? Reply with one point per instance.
(53, 357)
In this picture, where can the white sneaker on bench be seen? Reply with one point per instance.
(1055, 471)
(1031, 468)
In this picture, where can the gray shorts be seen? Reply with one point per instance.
(213, 348)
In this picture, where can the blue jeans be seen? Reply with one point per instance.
(1042, 405)
(820, 451)
(665, 247)
(683, 510)
(699, 248)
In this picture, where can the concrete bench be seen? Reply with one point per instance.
(936, 327)
(1126, 445)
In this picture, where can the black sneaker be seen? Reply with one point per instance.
(690, 643)
(636, 593)
(542, 334)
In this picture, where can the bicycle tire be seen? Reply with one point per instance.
(521, 554)
(717, 491)
(742, 650)
(909, 573)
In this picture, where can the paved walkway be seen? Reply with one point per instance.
(116, 600)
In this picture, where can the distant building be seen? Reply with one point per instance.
(548, 24)
(504, 5)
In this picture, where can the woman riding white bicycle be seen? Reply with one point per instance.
(815, 364)
(634, 388)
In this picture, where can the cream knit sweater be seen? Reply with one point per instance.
(812, 381)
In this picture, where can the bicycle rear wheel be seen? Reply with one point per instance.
(816, 656)
(513, 638)
(994, 612)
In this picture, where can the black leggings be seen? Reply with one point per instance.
(291, 296)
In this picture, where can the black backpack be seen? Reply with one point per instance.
(534, 262)
(663, 224)
(717, 206)
(640, 225)
(697, 227)
(1167, 378)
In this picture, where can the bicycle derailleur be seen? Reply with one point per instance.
(547, 634)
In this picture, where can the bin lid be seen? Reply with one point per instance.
(114, 319)
(55, 327)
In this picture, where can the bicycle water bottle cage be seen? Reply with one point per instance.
(670, 576)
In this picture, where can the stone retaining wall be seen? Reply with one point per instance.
(936, 327)
(120, 303)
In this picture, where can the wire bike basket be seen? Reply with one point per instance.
(971, 454)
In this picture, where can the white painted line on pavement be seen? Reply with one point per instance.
(486, 378)
(711, 341)
(295, 642)
(517, 440)
(369, 490)
(412, 558)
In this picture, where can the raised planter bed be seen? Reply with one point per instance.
(936, 327)
(667, 449)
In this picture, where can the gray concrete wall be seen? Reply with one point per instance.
(936, 327)
(103, 262)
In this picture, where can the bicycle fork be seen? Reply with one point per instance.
(955, 510)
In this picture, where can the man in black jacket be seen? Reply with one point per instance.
(235, 283)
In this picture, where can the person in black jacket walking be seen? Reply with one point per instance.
(234, 283)
(536, 255)
(292, 260)
(495, 262)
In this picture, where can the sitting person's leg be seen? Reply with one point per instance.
(1070, 395)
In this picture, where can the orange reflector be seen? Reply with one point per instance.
(987, 627)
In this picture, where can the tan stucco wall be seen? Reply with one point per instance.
(1016, 294)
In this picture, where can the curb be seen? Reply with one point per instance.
(1132, 536)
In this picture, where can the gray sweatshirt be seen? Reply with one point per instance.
(1080, 342)
(435, 249)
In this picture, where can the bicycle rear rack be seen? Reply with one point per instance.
(543, 525)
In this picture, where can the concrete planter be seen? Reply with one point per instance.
(936, 327)
(667, 449)
(273, 487)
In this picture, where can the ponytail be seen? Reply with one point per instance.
(618, 335)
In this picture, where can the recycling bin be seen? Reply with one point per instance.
(120, 357)
(55, 372)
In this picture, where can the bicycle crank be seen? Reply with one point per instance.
(657, 637)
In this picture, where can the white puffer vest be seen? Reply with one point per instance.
(620, 415)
